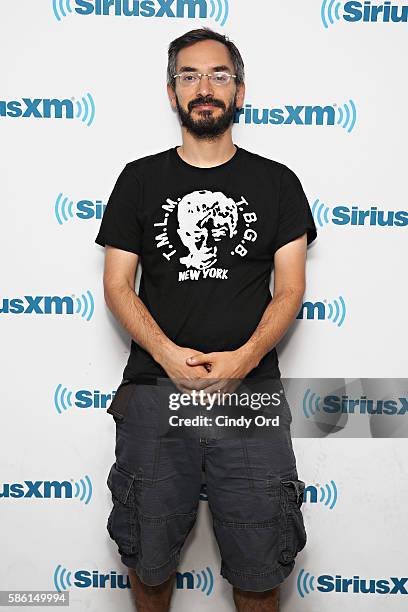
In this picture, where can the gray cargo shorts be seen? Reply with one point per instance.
(254, 495)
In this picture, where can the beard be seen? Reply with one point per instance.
(207, 126)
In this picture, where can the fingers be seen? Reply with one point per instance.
(199, 359)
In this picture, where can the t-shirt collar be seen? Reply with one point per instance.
(230, 162)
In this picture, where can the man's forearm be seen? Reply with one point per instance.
(276, 320)
(133, 315)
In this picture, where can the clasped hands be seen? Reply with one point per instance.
(220, 371)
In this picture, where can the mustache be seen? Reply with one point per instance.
(200, 101)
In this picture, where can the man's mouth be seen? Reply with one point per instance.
(204, 106)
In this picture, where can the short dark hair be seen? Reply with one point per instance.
(193, 36)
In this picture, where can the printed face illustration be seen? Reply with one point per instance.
(205, 218)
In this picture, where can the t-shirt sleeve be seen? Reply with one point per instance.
(295, 216)
(121, 225)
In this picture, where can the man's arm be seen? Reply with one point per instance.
(118, 284)
(289, 287)
(120, 296)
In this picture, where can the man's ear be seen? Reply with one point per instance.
(172, 96)
(240, 95)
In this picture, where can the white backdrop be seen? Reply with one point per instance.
(59, 355)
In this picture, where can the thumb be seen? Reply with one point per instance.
(199, 359)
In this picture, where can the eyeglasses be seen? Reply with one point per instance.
(187, 79)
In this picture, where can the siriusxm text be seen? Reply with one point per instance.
(143, 8)
(369, 12)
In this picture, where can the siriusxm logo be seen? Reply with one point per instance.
(327, 583)
(64, 579)
(344, 116)
(46, 489)
(323, 494)
(83, 398)
(334, 311)
(386, 12)
(50, 305)
(190, 9)
(336, 404)
(353, 215)
(65, 209)
(46, 108)
(202, 580)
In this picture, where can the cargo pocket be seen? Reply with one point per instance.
(123, 523)
(293, 533)
(120, 402)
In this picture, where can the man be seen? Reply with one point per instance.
(209, 219)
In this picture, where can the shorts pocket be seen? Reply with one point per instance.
(293, 533)
(123, 524)
(121, 400)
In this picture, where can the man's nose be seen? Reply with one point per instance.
(204, 86)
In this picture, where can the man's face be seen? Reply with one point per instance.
(205, 218)
(206, 110)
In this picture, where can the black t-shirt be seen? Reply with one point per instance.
(206, 239)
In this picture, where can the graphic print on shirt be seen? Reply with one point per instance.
(201, 229)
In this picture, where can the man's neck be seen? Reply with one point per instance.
(206, 153)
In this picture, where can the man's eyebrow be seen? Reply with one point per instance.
(214, 68)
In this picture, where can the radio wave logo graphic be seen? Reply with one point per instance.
(311, 403)
(63, 209)
(320, 213)
(83, 489)
(347, 116)
(222, 10)
(85, 109)
(62, 399)
(62, 578)
(305, 583)
(204, 580)
(61, 8)
(328, 494)
(85, 305)
(330, 12)
(337, 311)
